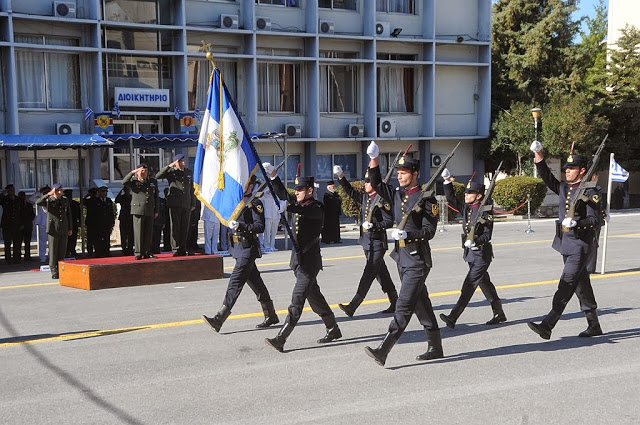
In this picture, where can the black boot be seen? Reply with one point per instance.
(546, 326)
(281, 338)
(350, 308)
(593, 325)
(380, 354)
(393, 299)
(498, 313)
(434, 348)
(270, 316)
(333, 333)
(216, 321)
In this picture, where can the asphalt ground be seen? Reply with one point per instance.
(142, 355)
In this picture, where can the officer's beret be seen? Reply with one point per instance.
(56, 186)
(303, 182)
(409, 163)
(474, 187)
(178, 157)
(576, 161)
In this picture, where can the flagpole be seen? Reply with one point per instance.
(606, 221)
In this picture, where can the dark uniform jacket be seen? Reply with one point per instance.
(144, 194)
(75, 214)
(28, 215)
(308, 220)
(181, 193)
(381, 216)
(244, 242)
(125, 206)
(58, 214)
(421, 226)
(577, 239)
(484, 230)
(100, 213)
(11, 211)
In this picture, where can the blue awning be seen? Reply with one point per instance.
(166, 141)
(52, 141)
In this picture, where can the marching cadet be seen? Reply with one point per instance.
(245, 248)
(59, 221)
(144, 201)
(376, 219)
(181, 201)
(332, 209)
(412, 254)
(573, 240)
(306, 264)
(478, 252)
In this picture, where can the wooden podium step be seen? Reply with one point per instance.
(117, 272)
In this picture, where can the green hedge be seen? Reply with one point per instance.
(350, 208)
(511, 192)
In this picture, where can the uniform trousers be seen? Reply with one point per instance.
(126, 234)
(42, 242)
(211, 235)
(72, 241)
(270, 231)
(179, 228)
(12, 237)
(27, 232)
(574, 279)
(245, 270)
(375, 268)
(142, 233)
(413, 298)
(307, 288)
(477, 276)
(57, 249)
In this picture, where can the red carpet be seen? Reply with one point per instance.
(128, 259)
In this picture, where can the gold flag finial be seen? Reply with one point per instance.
(206, 47)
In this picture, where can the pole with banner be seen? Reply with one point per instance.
(616, 174)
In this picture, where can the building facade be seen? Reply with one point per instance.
(331, 75)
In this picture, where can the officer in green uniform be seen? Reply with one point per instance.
(59, 223)
(144, 200)
(181, 201)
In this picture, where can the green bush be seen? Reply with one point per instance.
(511, 192)
(350, 208)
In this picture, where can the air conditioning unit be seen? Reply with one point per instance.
(436, 160)
(64, 9)
(293, 130)
(65, 128)
(386, 127)
(326, 27)
(229, 22)
(263, 24)
(383, 29)
(356, 130)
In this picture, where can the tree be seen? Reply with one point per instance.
(590, 55)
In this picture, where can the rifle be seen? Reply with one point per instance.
(484, 206)
(258, 193)
(586, 182)
(428, 191)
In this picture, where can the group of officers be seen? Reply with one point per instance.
(416, 219)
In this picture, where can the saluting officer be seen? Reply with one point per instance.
(573, 240)
(412, 254)
(144, 200)
(309, 216)
(245, 248)
(376, 217)
(59, 222)
(181, 201)
(478, 252)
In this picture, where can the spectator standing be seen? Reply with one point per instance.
(41, 224)
(126, 220)
(26, 221)
(272, 211)
(211, 231)
(10, 223)
(72, 241)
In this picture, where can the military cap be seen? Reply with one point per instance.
(576, 161)
(330, 182)
(366, 176)
(56, 186)
(68, 191)
(304, 182)
(103, 188)
(178, 157)
(9, 186)
(409, 163)
(474, 187)
(143, 165)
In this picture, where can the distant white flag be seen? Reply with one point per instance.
(618, 174)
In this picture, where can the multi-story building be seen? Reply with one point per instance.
(330, 74)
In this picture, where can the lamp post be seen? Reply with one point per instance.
(537, 123)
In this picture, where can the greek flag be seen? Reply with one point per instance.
(116, 110)
(88, 113)
(618, 174)
(223, 165)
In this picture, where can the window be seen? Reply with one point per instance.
(287, 3)
(47, 80)
(325, 165)
(338, 85)
(63, 171)
(396, 6)
(126, 39)
(395, 89)
(338, 4)
(138, 11)
(278, 87)
(292, 164)
(199, 74)
(136, 72)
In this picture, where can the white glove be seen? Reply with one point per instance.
(569, 222)
(536, 146)
(445, 175)
(233, 225)
(373, 150)
(469, 244)
(366, 225)
(337, 170)
(398, 234)
(268, 167)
